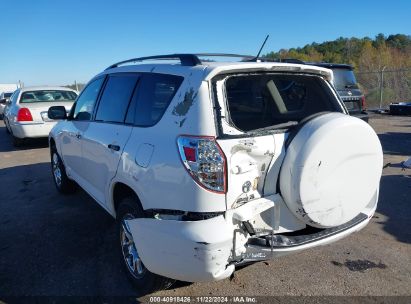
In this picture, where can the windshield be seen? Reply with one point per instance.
(344, 79)
(7, 95)
(259, 101)
(47, 96)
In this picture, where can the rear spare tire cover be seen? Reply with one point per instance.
(331, 170)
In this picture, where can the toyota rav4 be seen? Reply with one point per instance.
(210, 165)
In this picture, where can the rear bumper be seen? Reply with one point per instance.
(260, 252)
(31, 130)
(187, 251)
(209, 250)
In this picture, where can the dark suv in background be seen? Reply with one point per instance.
(346, 85)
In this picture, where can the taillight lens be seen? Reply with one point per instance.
(24, 115)
(363, 104)
(204, 160)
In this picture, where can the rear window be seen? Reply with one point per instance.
(47, 96)
(264, 100)
(344, 79)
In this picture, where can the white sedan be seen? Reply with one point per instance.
(26, 114)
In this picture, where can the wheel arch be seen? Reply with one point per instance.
(52, 142)
(120, 190)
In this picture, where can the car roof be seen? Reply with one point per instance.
(210, 69)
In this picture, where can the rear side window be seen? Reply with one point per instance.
(155, 93)
(260, 101)
(116, 97)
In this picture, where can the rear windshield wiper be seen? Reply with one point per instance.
(350, 86)
(291, 123)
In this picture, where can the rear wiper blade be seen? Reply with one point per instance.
(284, 125)
(350, 86)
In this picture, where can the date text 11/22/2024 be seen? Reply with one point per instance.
(205, 299)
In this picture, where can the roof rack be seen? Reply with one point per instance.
(244, 57)
(185, 59)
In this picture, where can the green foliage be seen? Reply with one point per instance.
(346, 50)
(369, 57)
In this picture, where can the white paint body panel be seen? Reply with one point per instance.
(99, 162)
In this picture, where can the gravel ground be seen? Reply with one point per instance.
(53, 245)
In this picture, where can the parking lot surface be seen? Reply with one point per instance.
(53, 245)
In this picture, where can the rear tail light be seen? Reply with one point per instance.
(363, 104)
(204, 160)
(24, 115)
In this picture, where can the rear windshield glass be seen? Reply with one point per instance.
(47, 96)
(344, 79)
(261, 101)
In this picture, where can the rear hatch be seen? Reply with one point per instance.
(257, 112)
(347, 87)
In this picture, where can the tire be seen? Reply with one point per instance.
(63, 184)
(6, 125)
(17, 142)
(143, 280)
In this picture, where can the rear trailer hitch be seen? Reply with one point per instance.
(256, 255)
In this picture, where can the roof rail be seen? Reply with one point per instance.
(185, 59)
(244, 57)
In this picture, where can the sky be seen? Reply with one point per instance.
(57, 42)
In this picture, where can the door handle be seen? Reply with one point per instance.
(114, 147)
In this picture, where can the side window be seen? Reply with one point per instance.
(116, 97)
(85, 103)
(155, 93)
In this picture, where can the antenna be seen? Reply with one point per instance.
(261, 48)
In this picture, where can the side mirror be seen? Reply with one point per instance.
(3, 101)
(57, 113)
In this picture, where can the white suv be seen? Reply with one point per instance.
(209, 165)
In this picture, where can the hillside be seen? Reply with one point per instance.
(368, 57)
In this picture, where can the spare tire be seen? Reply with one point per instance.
(331, 170)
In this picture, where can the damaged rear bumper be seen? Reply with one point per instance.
(187, 251)
(209, 250)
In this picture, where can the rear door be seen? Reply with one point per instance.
(105, 138)
(257, 113)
